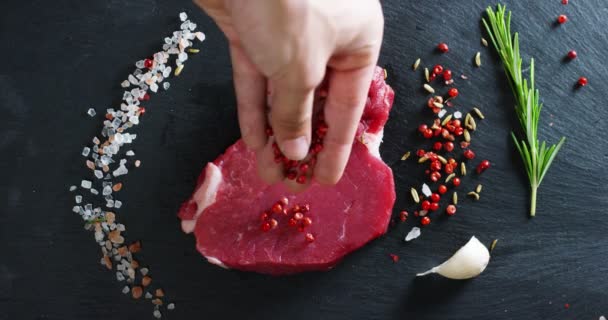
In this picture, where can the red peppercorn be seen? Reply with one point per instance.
(437, 146)
(420, 152)
(306, 208)
(434, 206)
(277, 208)
(564, 2)
(456, 182)
(458, 131)
(453, 92)
(394, 257)
(309, 237)
(301, 179)
(298, 216)
(572, 54)
(432, 77)
(291, 175)
(264, 216)
(469, 154)
(456, 123)
(582, 81)
(142, 110)
(435, 176)
(435, 165)
(562, 19)
(273, 223)
(450, 210)
(448, 146)
(425, 221)
(403, 215)
(447, 74)
(306, 221)
(148, 63)
(485, 164)
(443, 47)
(292, 222)
(269, 131)
(303, 167)
(437, 132)
(449, 169)
(428, 133)
(438, 69)
(266, 226)
(422, 128)
(425, 205)
(435, 197)
(442, 189)
(146, 97)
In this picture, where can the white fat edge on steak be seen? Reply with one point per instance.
(204, 196)
(372, 142)
(216, 261)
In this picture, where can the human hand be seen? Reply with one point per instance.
(291, 46)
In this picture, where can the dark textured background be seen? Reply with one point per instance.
(59, 58)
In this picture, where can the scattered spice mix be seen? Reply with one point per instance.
(100, 159)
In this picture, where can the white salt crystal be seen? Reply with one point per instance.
(192, 26)
(120, 227)
(86, 184)
(442, 113)
(413, 234)
(120, 276)
(182, 56)
(153, 87)
(126, 290)
(139, 64)
(137, 163)
(157, 314)
(183, 16)
(117, 204)
(78, 198)
(98, 236)
(125, 84)
(166, 85)
(200, 36)
(144, 271)
(602, 318)
(72, 188)
(110, 203)
(91, 112)
(149, 296)
(96, 140)
(86, 151)
(171, 306)
(457, 115)
(106, 191)
(75, 209)
(94, 191)
(130, 153)
(98, 174)
(426, 190)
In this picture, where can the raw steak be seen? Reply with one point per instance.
(224, 211)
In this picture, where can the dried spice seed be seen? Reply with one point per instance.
(446, 120)
(463, 169)
(478, 189)
(455, 198)
(478, 113)
(467, 135)
(428, 88)
(493, 245)
(159, 293)
(405, 156)
(426, 75)
(416, 64)
(484, 42)
(145, 281)
(415, 195)
(473, 194)
(137, 292)
(450, 177)
(478, 59)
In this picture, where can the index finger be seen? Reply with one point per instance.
(345, 102)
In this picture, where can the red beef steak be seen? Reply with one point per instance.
(224, 210)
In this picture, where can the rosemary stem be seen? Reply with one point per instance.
(533, 190)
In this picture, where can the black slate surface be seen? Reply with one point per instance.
(60, 58)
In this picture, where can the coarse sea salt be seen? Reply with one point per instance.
(86, 151)
(426, 190)
(457, 115)
(86, 184)
(91, 112)
(413, 234)
(72, 188)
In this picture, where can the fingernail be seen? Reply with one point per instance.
(295, 149)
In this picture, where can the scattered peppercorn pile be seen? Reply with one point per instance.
(297, 217)
(109, 234)
(450, 150)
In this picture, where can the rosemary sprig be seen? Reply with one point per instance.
(537, 157)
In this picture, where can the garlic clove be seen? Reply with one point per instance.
(468, 262)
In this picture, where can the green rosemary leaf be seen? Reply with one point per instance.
(537, 156)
